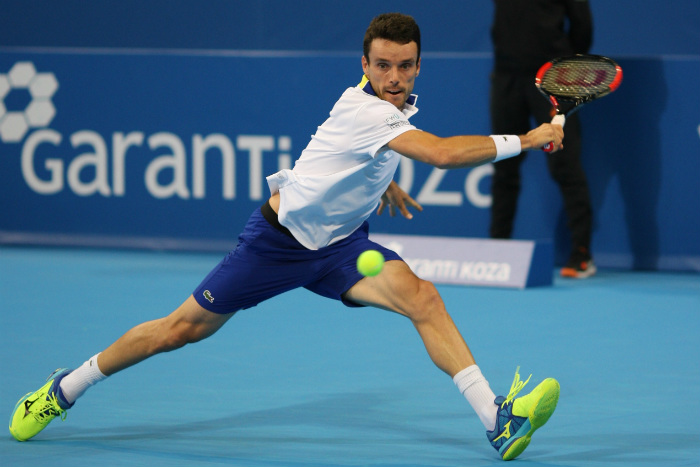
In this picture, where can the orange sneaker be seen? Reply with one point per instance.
(580, 265)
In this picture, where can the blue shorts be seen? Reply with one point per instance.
(267, 262)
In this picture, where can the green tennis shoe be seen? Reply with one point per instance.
(518, 418)
(35, 411)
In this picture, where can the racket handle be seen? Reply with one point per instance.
(559, 119)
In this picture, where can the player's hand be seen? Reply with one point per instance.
(544, 134)
(395, 197)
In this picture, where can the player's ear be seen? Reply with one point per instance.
(365, 65)
(418, 67)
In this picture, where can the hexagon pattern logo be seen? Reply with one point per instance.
(15, 123)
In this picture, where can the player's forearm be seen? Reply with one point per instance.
(445, 153)
(464, 151)
(456, 151)
(470, 151)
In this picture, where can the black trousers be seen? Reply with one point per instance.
(514, 100)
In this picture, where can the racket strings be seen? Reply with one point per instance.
(576, 79)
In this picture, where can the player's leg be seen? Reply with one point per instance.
(188, 323)
(509, 115)
(510, 421)
(398, 289)
(230, 286)
(566, 169)
(505, 190)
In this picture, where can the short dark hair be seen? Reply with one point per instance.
(395, 27)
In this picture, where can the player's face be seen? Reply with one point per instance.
(392, 70)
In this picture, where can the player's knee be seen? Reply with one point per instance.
(178, 335)
(426, 303)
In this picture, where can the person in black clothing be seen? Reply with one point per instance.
(526, 34)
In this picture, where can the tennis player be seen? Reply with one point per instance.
(311, 231)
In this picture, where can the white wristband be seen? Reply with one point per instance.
(506, 146)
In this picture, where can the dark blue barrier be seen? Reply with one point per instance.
(170, 150)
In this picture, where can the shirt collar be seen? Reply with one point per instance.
(366, 86)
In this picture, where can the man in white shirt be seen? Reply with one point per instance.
(311, 231)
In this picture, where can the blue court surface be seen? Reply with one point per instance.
(304, 381)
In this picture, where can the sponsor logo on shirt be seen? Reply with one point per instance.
(395, 121)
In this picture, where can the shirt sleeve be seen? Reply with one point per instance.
(377, 123)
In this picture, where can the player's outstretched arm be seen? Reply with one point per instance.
(467, 151)
(395, 197)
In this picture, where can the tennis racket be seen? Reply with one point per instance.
(570, 82)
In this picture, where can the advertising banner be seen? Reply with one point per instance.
(170, 149)
(474, 261)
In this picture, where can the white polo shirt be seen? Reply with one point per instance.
(339, 179)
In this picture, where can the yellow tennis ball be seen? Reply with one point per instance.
(370, 263)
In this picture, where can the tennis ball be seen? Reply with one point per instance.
(370, 263)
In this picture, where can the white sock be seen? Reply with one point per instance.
(472, 384)
(79, 380)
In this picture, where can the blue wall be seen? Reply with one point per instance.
(140, 84)
(623, 27)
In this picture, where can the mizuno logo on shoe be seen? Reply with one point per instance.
(27, 405)
(506, 432)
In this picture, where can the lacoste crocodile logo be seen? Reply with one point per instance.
(208, 296)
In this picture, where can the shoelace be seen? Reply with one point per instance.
(515, 387)
(49, 409)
